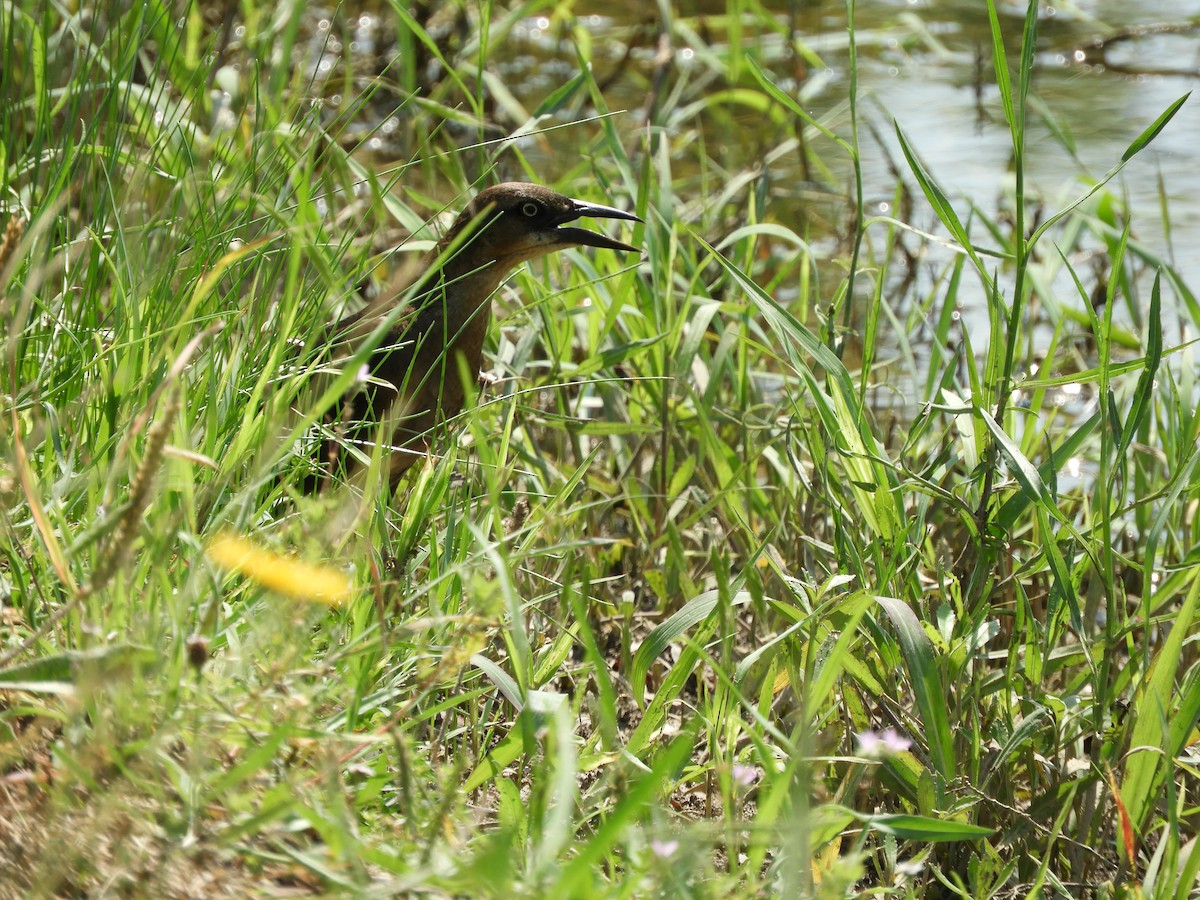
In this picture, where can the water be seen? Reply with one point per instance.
(956, 124)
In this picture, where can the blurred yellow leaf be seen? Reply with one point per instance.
(279, 572)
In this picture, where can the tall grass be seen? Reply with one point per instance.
(679, 610)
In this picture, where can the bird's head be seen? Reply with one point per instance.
(514, 222)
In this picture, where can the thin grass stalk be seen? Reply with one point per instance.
(1014, 109)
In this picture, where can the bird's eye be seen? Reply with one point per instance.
(531, 209)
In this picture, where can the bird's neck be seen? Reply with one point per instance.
(467, 277)
(454, 299)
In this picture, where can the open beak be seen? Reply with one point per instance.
(592, 238)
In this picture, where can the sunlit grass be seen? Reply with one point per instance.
(753, 571)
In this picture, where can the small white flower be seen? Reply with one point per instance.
(743, 775)
(663, 849)
(878, 745)
(910, 867)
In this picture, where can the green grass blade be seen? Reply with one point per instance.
(1142, 141)
(925, 676)
(1152, 742)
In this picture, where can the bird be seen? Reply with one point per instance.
(412, 383)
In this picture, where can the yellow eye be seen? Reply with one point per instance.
(530, 209)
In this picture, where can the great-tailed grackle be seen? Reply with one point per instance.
(413, 381)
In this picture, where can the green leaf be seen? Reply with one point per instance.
(41, 93)
(682, 478)
(498, 758)
(1014, 507)
(1022, 469)
(1189, 869)
(935, 195)
(927, 683)
(1143, 393)
(1062, 581)
(106, 663)
(1000, 67)
(767, 82)
(657, 641)
(1021, 734)
(1029, 39)
(1152, 741)
(834, 662)
(1142, 140)
(558, 98)
(924, 828)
